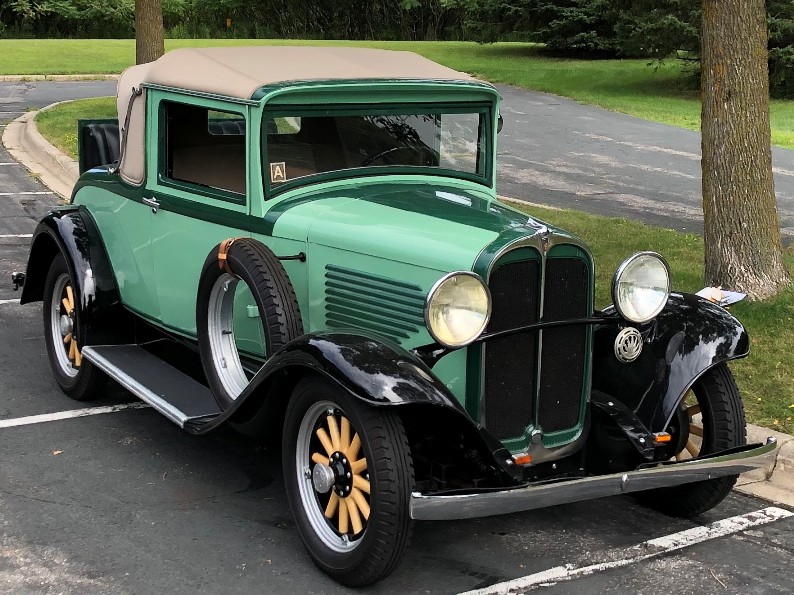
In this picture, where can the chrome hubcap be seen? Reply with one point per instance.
(66, 325)
(323, 478)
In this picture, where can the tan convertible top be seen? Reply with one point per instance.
(240, 71)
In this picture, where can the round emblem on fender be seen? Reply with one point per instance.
(628, 345)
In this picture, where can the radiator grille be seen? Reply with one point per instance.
(354, 299)
(564, 349)
(516, 393)
(510, 362)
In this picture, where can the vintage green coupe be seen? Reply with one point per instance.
(306, 243)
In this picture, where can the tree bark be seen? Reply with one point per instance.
(741, 226)
(149, 42)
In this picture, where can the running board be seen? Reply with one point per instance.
(171, 392)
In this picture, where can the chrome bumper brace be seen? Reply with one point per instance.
(466, 506)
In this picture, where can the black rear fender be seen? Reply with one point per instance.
(689, 337)
(72, 232)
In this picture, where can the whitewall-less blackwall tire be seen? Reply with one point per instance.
(348, 475)
(715, 419)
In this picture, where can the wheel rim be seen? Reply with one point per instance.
(694, 442)
(329, 448)
(220, 328)
(63, 327)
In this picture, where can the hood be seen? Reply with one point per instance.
(434, 226)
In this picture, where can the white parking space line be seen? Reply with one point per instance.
(2, 302)
(9, 163)
(25, 193)
(15, 235)
(73, 413)
(638, 553)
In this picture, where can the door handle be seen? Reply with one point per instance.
(151, 202)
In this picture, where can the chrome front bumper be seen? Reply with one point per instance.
(466, 506)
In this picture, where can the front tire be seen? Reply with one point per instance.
(76, 377)
(348, 475)
(715, 414)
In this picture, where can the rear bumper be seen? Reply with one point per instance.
(529, 497)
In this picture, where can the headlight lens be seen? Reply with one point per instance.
(641, 286)
(458, 308)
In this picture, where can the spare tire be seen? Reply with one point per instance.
(250, 262)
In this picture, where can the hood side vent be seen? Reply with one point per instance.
(359, 300)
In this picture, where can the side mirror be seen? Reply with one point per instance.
(499, 124)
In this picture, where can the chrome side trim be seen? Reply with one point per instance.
(466, 506)
(135, 387)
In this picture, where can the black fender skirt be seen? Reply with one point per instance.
(72, 232)
(689, 337)
(377, 372)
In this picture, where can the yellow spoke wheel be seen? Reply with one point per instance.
(694, 429)
(75, 376)
(348, 475)
(340, 461)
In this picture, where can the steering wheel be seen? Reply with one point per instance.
(382, 154)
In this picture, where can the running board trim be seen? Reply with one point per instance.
(109, 358)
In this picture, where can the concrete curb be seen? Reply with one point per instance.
(775, 482)
(60, 172)
(26, 78)
(26, 144)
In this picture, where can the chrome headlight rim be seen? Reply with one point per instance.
(620, 271)
(432, 293)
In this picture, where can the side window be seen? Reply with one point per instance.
(204, 147)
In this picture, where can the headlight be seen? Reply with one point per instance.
(641, 286)
(458, 308)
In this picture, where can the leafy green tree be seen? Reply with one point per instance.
(780, 17)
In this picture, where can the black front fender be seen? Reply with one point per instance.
(72, 232)
(377, 372)
(690, 336)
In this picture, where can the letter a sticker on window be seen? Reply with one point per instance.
(278, 172)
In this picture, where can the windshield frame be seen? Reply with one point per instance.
(485, 141)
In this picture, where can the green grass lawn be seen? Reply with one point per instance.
(59, 124)
(663, 94)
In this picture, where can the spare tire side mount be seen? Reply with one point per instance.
(235, 261)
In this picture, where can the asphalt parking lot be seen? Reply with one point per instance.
(125, 502)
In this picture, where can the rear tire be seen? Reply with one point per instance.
(723, 427)
(76, 377)
(355, 537)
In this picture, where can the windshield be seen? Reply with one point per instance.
(299, 146)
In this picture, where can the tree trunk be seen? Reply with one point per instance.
(149, 43)
(741, 226)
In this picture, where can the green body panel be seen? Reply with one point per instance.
(423, 237)
(125, 226)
